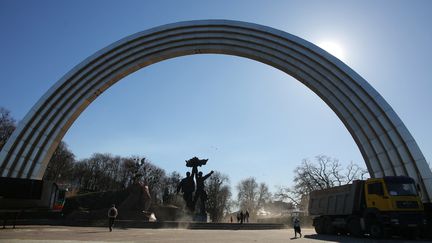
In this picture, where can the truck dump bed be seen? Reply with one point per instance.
(340, 200)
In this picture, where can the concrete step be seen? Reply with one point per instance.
(236, 226)
(151, 225)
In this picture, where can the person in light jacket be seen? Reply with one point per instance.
(112, 215)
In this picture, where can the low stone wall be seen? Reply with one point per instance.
(305, 221)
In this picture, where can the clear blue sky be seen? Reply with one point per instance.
(248, 118)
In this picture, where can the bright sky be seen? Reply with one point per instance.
(248, 118)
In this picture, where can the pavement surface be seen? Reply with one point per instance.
(50, 234)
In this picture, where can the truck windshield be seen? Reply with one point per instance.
(401, 188)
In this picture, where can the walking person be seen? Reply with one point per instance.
(297, 228)
(112, 215)
(247, 216)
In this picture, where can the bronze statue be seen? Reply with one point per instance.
(187, 185)
(200, 193)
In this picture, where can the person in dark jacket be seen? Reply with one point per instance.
(297, 228)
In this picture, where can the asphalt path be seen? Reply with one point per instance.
(51, 234)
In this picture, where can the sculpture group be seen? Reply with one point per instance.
(192, 186)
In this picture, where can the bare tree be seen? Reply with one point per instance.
(127, 172)
(170, 188)
(60, 167)
(7, 126)
(264, 195)
(98, 173)
(154, 177)
(355, 172)
(327, 172)
(218, 193)
(247, 194)
(252, 196)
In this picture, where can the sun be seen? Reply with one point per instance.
(333, 48)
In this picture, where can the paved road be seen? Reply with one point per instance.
(51, 234)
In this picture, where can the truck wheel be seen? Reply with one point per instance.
(376, 230)
(319, 229)
(328, 226)
(354, 227)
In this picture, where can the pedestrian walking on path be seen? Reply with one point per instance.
(112, 215)
(297, 228)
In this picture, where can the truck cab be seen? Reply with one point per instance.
(395, 193)
(394, 202)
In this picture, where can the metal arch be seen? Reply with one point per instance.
(386, 145)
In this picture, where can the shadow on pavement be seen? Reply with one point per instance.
(91, 232)
(335, 238)
(344, 238)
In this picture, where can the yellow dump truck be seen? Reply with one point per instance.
(376, 206)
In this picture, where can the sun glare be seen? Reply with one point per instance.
(333, 48)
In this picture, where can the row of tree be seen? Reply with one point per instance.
(106, 172)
